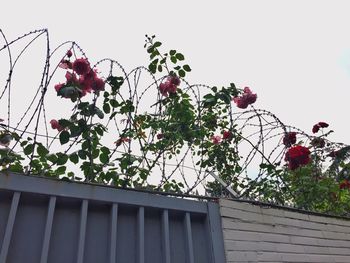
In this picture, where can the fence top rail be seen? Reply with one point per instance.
(54, 187)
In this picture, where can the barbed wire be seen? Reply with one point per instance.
(261, 132)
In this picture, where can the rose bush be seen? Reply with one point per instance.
(310, 172)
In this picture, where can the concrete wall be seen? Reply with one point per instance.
(255, 233)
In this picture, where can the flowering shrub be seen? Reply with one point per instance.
(203, 128)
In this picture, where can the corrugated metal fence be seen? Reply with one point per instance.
(44, 220)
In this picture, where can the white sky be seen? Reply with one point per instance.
(294, 54)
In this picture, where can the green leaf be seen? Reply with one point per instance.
(82, 154)
(127, 107)
(187, 68)
(182, 73)
(28, 149)
(64, 137)
(99, 130)
(144, 174)
(104, 158)
(152, 68)
(74, 158)
(95, 153)
(160, 68)
(106, 108)
(41, 150)
(105, 150)
(172, 52)
(75, 130)
(112, 115)
(61, 170)
(99, 113)
(114, 103)
(52, 158)
(157, 44)
(179, 56)
(155, 62)
(62, 158)
(224, 97)
(64, 123)
(115, 82)
(173, 59)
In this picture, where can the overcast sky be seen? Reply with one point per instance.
(294, 54)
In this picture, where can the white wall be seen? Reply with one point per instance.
(262, 234)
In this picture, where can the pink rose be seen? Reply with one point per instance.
(55, 125)
(216, 139)
(174, 80)
(163, 89)
(245, 99)
(169, 86)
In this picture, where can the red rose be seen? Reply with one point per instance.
(297, 156)
(290, 138)
(227, 135)
(81, 66)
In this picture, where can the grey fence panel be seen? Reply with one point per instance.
(46, 220)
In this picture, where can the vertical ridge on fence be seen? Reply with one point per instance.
(48, 228)
(189, 241)
(141, 235)
(82, 231)
(216, 234)
(114, 229)
(9, 227)
(166, 236)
